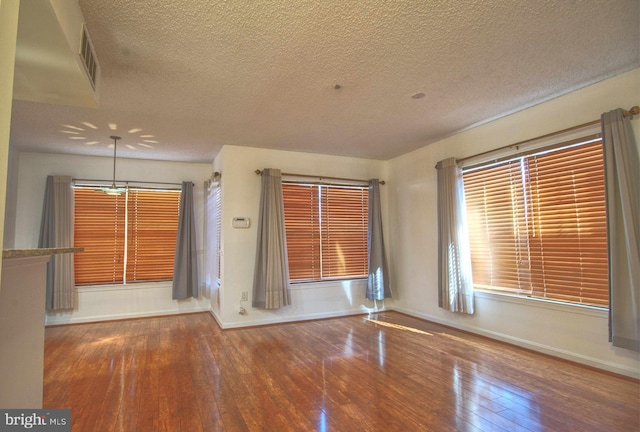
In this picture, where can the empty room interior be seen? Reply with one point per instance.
(321, 215)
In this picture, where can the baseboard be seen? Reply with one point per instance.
(544, 349)
(60, 320)
(296, 318)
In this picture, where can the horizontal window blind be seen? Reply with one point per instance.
(569, 258)
(344, 231)
(152, 230)
(537, 225)
(326, 228)
(137, 229)
(302, 222)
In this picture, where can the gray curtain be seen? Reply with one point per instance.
(56, 231)
(271, 276)
(378, 286)
(455, 284)
(185, 268)
(622, 179)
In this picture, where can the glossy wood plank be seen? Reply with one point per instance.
(385, 372)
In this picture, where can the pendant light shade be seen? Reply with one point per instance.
(113, 189)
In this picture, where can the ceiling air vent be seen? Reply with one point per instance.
(88, 56)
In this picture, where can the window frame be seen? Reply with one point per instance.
(317, 202)
(542, 148)
(133, 235)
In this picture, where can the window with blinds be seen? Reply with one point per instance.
(126, 238)
(537, 224)
(326, 227)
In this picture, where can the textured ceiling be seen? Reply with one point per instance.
(199, 74)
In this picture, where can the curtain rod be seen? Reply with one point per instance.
(127, 181)
(632, 111)
(259, 172)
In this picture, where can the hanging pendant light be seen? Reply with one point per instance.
(113, 189)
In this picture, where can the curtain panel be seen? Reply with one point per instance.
(271, 276)
(455, 284)
(56, 231)
(378, 285)
(622, 187)
(185, 268)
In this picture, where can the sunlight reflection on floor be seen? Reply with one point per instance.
(398, 326)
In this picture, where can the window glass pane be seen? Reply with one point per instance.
(303, 231)
(99, 228)
(152, 228)
(344, 231)
(569, 236)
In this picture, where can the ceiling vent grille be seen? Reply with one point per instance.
(88, 55)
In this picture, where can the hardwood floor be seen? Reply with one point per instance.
(388, 372)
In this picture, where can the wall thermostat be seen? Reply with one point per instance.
(241, 222)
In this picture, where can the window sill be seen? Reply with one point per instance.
(542, 303)
(124, 287)
(327, 283)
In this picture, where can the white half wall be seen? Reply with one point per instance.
(241, 197)
(569, 332)
(107, 302)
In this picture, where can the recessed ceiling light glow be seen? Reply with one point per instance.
(145, 145)
(150, 141)
(131, 147)
(113, 126)
(70, 132)
(91, 125)
(134, 130)
(77, 137)
(146, 136)
(91, 143)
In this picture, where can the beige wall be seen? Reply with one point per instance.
(571, 332)
(117, 301)
(241, 197)
(8, 32)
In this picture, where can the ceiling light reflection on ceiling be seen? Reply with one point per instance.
(73, 127)
(79, 133)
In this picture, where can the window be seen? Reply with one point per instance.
(217, 216)
(537, 224)
(326, 231)
(126, 238)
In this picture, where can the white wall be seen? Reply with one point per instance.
(106, 302)
(570, 332)
(241, 197)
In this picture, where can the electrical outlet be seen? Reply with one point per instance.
(244, 296)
